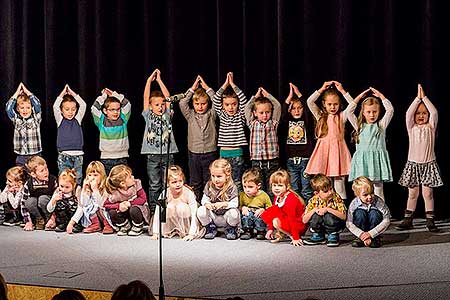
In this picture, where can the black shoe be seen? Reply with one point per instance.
(376, 243)
(77, 228)
(12, 222)
(231, 233)
(406, 224)
(431, 226)
(260, 235)
(246, 235)
(211, 231)
(60, 228)
(357, 243)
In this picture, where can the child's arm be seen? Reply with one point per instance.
(433, 119)
(276, 114)
(309, 212)
(24, 210)
(384, 122)
(349, 223)
(147, 91)
(217, 98)
(96, 108)
(55, 198)
(82, 105)
(243, 100)
(248, 111)
(208, 90)
(351, 109)
(163, 87)
(141, 198)
(125, 106)
(384, 224)
(11, 104)
(57, 106)
(194, 224)
(184, 103)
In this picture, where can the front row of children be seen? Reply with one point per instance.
(117, 202)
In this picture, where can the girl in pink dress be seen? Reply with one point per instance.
(331, 155)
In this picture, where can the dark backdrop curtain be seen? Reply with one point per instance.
(117, 44)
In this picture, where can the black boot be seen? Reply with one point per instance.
(430, 222)
(407, 222)
(247, 234)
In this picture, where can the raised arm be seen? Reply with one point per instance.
(276, 114)
(350, 110)
(125, 105)
(147, 91)
(384, 122)
(96, 108)
(433, 119)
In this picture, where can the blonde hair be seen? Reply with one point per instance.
(17, 173)
(200, 93)
(362, 183)
(97, 167)
(69, 175)
(283, 177)
(252, 175)
(223, 165)
(23, 98)
(321, 129)
(321, 182)
(117, 175)
(175, 171)
(33, 162)
(362, 120)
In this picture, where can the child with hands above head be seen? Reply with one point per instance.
(11, 196)
(325, 213)
(263, 114)
(69, 109)
(368, 216)
(158, 130)
(421, 169)
(126, 202)
(371, 158)
(298, 131)
(202, 135)
(220, 202)
(229, 103)
(24, 110)
(331, 156)
(181, 210)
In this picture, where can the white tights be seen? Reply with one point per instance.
(339, 186)
(378, 189)
(427, 194)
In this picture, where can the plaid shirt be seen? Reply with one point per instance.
(335, 203)
(27, 132)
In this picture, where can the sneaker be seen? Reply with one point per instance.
(12, 222)
(246, 235)
(333, 240)
(211, 231)
(376, 243)
(40, 224)
(136, 230)
(231, 233)
(60, 228)
(260, 235)
(107, 229)
(316, 239)
(77, 228)
(124, 229)
(357, 243)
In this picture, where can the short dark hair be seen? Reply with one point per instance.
(69, 295)
(135, 290)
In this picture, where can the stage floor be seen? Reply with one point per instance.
(413, 265)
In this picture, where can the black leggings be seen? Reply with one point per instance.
(133, 214)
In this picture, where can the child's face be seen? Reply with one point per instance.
(24, 109)
(129, 181)
(218, 178)
(230, 105)
(251, 189)
(296, 110)
(94, 175)
(69, 110)
(112, 112)
(331, 104)
(13, 184)
(325, 195)
(365, 196)
(263, 112)
(40, 172)
(422, 115)
(65, 186)
(200, 105)
(157, 105)
(176, 184)
(279, 189)
(371, 113)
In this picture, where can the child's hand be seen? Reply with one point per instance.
(377, 93)
(188, 238)
(269, 235)
(364, 236)
(69, 228)
(258, 212)
(259, 93)
(420, 92)
(25, 90)
(295, 90)
(204, 85)
(297, 243)
(325, 86)
(123, 206)
(70, 91)
(245, 211)
(368, 242)
(196, 83)
(158, 76)
(322, 211)
(339, 87)
(155, 236)
(231, 79)
(227, 81)
(28, 226)
(264, 92)
(209, 206)
(362, 95)
(18, 91)
(107, 91)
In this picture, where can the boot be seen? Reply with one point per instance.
(107, 229)
(246, 235)
(430, 222)
(95, 225)
(211, 231)
(40, 223)
(124, 228)
(407, 222)
(136, 229)
(260, 235)
(231, 233)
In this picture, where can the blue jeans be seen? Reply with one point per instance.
(367, 220)
(71, 162)
(156, 171)
(300, 181)
(199, 171)
(21, 160)
(252, 222)
(109, 163)
(237, 166)
(328, 223)
(266, 168)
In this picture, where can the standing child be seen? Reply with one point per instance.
(126, 202)
(325, 213)
(11, 196)
(36, 194)
(229, 102)
(111, 112)
(24, 110)
(220, 202)
(371, 158)
(69, 109)
(202, 135)
(181, 211)
(298, 127)
(253, 202)
(285, 215)
(64, 201)
(331, 155)
(368, 215)
(263, 114)
(421, 168)
(158, 131)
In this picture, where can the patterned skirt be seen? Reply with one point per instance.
(415, 174)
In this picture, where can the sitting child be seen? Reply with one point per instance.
(325, 213)
(368, 215)
(11, 196)
(252, 203)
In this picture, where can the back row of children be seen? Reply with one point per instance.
(262, 114)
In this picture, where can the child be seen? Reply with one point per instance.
(286, 213)
(220, 202)
(126, 201)
(325, 213)
(64, 201)
(263, 114)
(368, 215)
(69, 110)
(421, 168)
(181, 218)
(229, 102)
(371, 158)
(202, 133)
(157, 115)
(111, 112)
(90, 211)
(297, 128)
(11, 196)
(252, 203)
(331, 155)
(24, 110)
(36, 193)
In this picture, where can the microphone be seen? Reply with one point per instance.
(174, 98)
